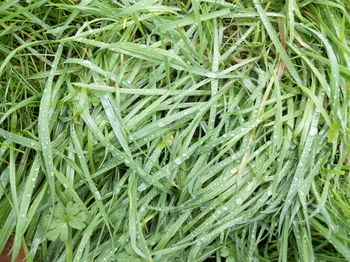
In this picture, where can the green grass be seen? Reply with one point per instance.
(175, 130)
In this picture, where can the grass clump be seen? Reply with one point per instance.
(175, 130)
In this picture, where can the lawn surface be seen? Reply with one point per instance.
(181, 130)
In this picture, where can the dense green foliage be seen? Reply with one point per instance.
(180, 130)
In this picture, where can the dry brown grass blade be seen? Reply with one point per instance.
(279, 71)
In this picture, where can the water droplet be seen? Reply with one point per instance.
(142, 187)
(211, 74)
(249, 186)
(177, 161)
(313, 131)
(239, 201)
(97, 195)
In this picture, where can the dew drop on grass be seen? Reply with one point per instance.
(142, 187)
(177, 161)
(98, 196)
(313, 131)
(239, 201)
(211, 74)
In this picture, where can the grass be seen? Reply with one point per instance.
(175, 130)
